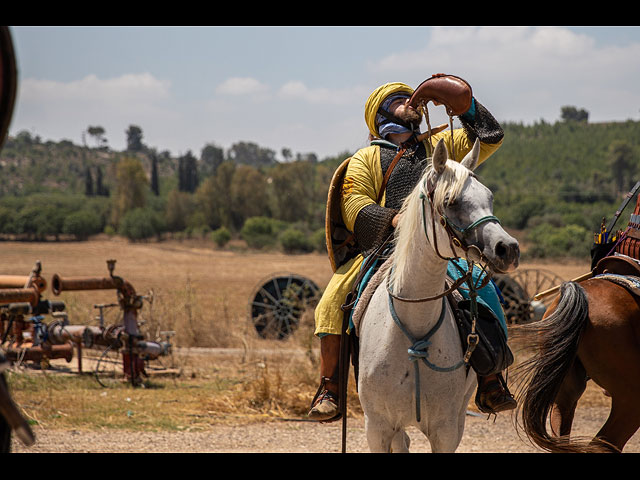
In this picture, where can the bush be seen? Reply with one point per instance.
(82, 224)
(553, 242)
(140, 224)
(221, 236)
(261, 232)
(319, 240)
(293, 240)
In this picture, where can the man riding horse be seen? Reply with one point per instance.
(376, 181)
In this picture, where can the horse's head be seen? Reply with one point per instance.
(462, 209)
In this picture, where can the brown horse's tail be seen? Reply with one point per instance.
(555, 341)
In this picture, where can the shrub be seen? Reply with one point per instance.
(221, 236)
(552, 242)
(140, 224)
(294, 240)
(319, 240)
(82, 224)
(261, 232)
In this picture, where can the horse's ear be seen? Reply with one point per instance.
(440, 155)
(470, 160)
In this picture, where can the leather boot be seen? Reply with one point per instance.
(493, 396)
(324, 406)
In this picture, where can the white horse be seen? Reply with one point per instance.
(427, 236)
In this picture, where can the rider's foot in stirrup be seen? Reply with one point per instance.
(494, 398)
(325, 408)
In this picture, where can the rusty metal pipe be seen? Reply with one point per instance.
(15, 295)
(36, 353)
(102, 337)
(59, 334)
(60, 284)
(152, 350)
(23, 281)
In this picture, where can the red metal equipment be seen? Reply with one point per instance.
(126, 337)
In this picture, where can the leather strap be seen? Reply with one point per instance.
(392, 165)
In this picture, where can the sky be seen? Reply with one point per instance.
(303, 88)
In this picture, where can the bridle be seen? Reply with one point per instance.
(456, 236)
(455, 233)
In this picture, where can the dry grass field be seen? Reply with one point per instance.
(202, 294)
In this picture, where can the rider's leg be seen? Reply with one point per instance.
(328, 318)
(325, 405)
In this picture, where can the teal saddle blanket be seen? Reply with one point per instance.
(489, 295)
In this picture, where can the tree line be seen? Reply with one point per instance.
(552, 181)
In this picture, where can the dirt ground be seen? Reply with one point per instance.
(235, 275)
(481, 435)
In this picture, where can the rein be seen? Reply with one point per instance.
(419, 348)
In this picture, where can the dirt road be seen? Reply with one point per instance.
(481, 436)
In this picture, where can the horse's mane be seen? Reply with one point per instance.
(448, 186)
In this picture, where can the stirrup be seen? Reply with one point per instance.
(323, 395)
(495, 398)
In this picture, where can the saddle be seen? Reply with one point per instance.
(621, 270)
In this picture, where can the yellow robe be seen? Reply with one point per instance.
(361, 186)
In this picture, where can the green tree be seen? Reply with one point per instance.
(187, 173)
(621, 164)
(211, 157)
(248, 195)
(570, 113)
(292, 185)
(141, 224)
(180, 206)
(88, 184)
(82, 224)
(248, 153)
(155, 185)
(134, 138)
(97, 132)
(131, 188)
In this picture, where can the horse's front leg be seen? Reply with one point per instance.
(380, 434)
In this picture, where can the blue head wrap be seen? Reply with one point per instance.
(385, 126)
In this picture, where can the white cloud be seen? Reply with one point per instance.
(54, 109)
(241, 86)
(130, 87)
(297, 90)
(514, 68)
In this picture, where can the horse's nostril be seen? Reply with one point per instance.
(501, 250)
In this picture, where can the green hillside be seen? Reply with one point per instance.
(554, 182)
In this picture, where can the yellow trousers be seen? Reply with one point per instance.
(328, 314)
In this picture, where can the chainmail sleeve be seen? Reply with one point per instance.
(373, 226)
(481, 124)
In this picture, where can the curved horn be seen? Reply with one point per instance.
(451, 91)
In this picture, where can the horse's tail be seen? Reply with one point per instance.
(555, 341)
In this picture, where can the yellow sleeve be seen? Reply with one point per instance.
(362, 182)
(463, 144)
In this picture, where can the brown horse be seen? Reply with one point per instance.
(590, 331)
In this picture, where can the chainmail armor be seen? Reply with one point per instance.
(373, 223)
